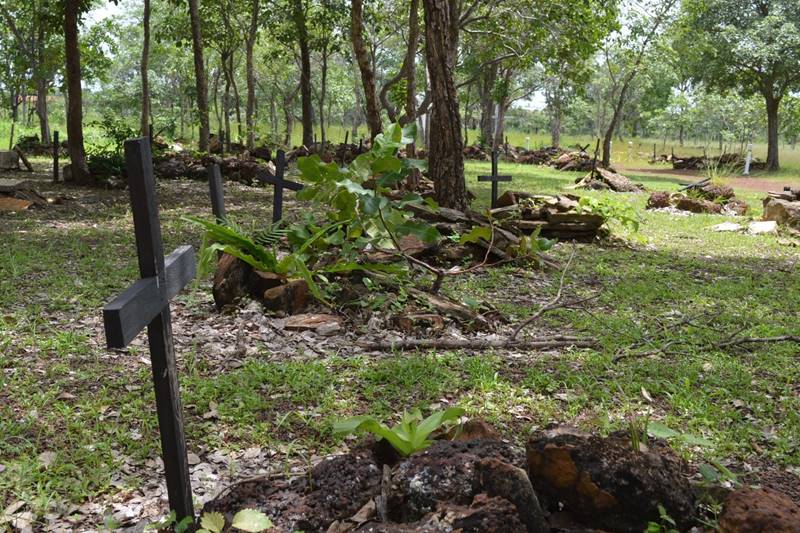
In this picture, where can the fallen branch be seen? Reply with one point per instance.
(552, 304)
(757, 340)
(560, 341)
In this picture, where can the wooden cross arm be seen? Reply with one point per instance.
(494, 178)
(129, 313)
(266, 177)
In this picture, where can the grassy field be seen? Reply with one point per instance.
(78, 420)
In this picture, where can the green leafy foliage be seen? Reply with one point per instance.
(611, 209)
(410, 435)
(358, 217)
(248, 520)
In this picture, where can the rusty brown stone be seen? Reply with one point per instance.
(696, 205)
(658, 200)
(231, 280)
(290, 298)
(782, 211)
(604, 483)
(260, 282)
(759, 511)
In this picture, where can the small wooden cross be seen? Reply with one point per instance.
(216, 191)
(146, 303)
(494, 178)
(278, 184)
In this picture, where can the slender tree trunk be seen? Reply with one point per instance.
(358, 107)
(487, 104)
(773, 124)
(77, 153)
(236, 100)
(289, 118)
(42, 85)
(251, 76)
(371, 105)
(144, 121)
(201, 83)
(322, 92)
(446, 157)
(306, 108)
(612, 126)
(226, 103)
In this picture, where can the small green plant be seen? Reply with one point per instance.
(637, 431)
(408, 436)
(666, 524)
(610, 209)
(248, 520)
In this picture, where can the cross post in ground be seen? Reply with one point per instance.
(146, 304)
(217, 192)
(278, 184)
(494, 178)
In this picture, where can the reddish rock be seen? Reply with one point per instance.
(736, 206)
(714, 191)
(759, 511)
(658, 200)
(291, 298)
(414, 321)
(475, 429)
(603, 483)
(783, 212)
(260, 282)
(312, 321)
(696, 205)
(231, 280)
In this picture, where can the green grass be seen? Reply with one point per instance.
(62, 391)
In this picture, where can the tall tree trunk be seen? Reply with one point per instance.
(357, 108)
(201, 83)
(236, 100)
(226, 102)
(487, 103)
(250, 44)
(41, 110)
(446, 155)
(77, 153)
(371, 105)
(42, 86)
(612, 126)
(322, 92)
(306, 109)
(773, 123)
(144, 121)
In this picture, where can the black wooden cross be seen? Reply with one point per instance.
(216, 190)
(146, 303)
(278, 184)
(494, 178)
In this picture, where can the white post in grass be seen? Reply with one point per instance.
(748, 159)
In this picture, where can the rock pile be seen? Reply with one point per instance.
(708, 198)
(783, 207)
(732, 160)
(553, 216)
(564, 480)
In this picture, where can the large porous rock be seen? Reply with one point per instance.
(759, 511)
(447, 471)
(334, 490)
(736, 206)
(289, 298)
(482, 515)
(783, 212)
(171, 168)
(231, 280)
(9, 160)
(604, 483)
(715, 191)
(697, 205)
(658, 200)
